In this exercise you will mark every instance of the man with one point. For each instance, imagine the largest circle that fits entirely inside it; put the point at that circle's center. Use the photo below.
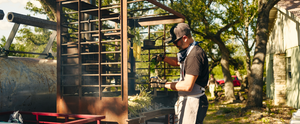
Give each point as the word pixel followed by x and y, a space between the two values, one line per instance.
pixel 212 84
pixel 192 105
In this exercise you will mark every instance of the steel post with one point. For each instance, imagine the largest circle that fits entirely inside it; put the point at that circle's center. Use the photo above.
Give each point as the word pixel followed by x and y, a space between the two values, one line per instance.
pixel 32 21
pixel 11 36
pixel 49 44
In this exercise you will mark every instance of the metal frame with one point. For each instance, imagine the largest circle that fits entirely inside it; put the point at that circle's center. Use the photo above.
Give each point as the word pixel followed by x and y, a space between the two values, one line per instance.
pixel 11 36
pixel 18 19
pixel 33 21
pixel 80 118
pixel 114 108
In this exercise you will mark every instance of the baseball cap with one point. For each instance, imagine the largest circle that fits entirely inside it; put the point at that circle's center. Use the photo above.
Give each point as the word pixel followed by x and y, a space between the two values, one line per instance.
pixel 178 31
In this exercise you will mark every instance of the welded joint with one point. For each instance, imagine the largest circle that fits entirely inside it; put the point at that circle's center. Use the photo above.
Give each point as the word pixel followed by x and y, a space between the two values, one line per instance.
pixel 49 55
pixel 3 52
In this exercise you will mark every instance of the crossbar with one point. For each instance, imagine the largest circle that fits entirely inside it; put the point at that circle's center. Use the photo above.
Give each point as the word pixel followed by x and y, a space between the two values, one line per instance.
pixel 85 118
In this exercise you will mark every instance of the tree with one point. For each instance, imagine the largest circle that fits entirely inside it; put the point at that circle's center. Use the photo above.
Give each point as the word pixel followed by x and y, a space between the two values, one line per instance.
pixel 215 56
pixel 212 20
pixel 257 68
pixel 34 41
pixel 13 47
pixel 30 40
pixel 243 29
pixel 48 7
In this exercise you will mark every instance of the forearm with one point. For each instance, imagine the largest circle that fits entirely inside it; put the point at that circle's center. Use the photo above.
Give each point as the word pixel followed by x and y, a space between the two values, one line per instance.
pixel 177 86
pixel 171 61
pixel 186 85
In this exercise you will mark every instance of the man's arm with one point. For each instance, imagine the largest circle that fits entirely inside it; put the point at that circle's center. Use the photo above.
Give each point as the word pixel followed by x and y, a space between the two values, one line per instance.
pixel 186 85
pixel 171 61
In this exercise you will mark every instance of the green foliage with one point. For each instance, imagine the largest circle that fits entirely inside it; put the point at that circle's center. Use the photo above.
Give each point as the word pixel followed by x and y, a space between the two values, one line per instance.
pixel 264 88
pixel 208 19
pixel 30 40
pixel 36 10
pixel 29 6
pixel 13 47
pixel 238 61
pixel 34 41
pixel 218 72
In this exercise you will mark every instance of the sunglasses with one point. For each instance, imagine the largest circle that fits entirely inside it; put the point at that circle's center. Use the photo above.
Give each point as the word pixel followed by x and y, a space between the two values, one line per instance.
pixel 175 42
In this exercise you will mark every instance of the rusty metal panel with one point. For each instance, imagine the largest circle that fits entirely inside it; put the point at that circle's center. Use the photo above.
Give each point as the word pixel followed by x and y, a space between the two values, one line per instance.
pixel 113 108
pixel 68 105
pixel 27 84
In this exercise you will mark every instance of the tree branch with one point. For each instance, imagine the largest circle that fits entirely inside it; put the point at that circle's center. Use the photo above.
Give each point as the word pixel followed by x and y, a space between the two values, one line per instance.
pixel 209 3
pixel 227 27
pixel 271 4
pixel 50 8
pixel 237 33
pixel 193 30
pixel 252 45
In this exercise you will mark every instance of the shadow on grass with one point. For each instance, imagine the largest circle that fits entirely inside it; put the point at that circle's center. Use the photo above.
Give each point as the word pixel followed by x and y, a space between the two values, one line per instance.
pixel 220 112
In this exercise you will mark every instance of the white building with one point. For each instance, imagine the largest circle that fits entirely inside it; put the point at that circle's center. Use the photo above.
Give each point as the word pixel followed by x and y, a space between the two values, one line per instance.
pixel 283 54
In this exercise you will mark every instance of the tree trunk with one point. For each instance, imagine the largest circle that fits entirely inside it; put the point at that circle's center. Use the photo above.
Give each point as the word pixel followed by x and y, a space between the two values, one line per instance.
pixel 257 69
pixel 248 65
pixel 50 8
pixel 256 77
pixel 245 83
pixel 229 91
pixel 247 50
pixel 238 74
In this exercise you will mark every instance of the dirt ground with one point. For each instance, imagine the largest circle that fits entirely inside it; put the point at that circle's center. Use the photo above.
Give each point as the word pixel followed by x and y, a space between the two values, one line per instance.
pixel 220 111
pixel 224 112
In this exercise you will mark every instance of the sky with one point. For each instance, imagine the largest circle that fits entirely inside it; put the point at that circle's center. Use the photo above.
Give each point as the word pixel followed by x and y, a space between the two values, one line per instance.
pixel 17 6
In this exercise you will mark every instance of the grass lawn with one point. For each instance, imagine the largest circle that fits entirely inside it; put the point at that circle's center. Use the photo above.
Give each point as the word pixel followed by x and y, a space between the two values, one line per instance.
pixel 220 112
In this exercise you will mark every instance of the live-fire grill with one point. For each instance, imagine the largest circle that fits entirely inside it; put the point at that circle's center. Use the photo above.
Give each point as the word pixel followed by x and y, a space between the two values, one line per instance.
pixel 95 73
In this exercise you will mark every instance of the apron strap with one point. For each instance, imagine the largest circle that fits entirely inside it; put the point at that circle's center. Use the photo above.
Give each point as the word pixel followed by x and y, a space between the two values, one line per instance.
pixel 182 74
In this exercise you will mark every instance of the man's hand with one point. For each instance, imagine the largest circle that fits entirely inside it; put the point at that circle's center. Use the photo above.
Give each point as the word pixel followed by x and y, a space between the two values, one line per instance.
pixel 158 57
